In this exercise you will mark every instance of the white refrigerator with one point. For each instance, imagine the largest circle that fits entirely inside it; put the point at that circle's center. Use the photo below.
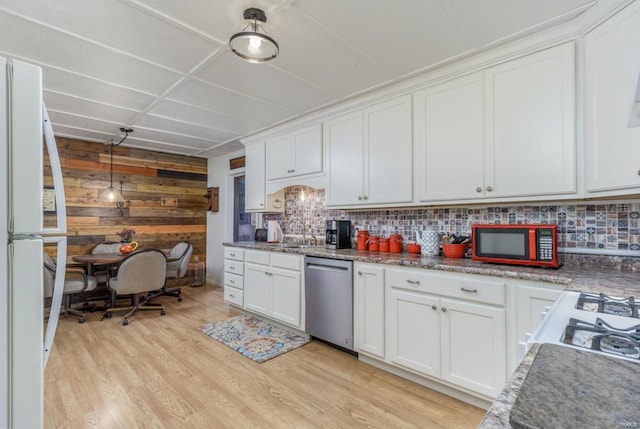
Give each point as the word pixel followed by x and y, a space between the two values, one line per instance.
pixel 24 344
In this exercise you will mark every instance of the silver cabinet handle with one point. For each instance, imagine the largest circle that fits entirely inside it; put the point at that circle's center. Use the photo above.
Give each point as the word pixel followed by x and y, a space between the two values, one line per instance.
pixel 266 273
pixel 232 295
pixel 444 309
pixel 365 197
pixel 478 189
pixel 434 307
pixel 233 255
pixel 232 267
pixel 638 172
pixel 489 189
pixel 360 273
pixel 360 197
pixel 464 289
pixel 232 281
pixel 413 282
pixel 261 204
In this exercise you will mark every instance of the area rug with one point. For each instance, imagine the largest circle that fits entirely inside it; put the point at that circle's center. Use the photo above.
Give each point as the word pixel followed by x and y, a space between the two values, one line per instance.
pixel 253 338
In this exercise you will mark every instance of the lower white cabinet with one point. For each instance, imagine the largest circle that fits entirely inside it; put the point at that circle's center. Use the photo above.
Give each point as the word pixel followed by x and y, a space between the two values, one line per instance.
pixel 431 332
pixel 273 286
pixel 233 276
pixel 369 309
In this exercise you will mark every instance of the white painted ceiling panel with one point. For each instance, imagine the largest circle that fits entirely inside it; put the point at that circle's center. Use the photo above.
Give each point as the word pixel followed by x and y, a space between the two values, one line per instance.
pixel 158 123
pixel 122 26
pixel 94 89
pixel 266 82
pixel 235 104
pixel 206 118
pixel 78 106
pixel 163 67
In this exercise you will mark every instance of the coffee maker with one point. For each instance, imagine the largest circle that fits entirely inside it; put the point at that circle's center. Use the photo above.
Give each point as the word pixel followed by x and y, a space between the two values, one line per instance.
pixel 338 234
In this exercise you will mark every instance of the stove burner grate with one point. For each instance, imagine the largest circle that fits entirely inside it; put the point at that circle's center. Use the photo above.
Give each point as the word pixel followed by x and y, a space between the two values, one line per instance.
pixel 601 303
pixel 603 337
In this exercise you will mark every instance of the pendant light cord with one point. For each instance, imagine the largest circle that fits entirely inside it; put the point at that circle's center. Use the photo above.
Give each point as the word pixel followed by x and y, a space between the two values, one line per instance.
pixel 126 132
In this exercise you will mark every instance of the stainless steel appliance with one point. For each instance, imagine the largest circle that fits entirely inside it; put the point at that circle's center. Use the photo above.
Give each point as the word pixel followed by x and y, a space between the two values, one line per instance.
pixel 532 245
pixel 329 300
pixel 338 234
pixel 596 322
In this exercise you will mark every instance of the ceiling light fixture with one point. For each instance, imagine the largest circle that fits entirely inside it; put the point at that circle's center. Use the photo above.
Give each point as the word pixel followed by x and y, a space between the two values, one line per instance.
pixel 252 44
pixel 111 194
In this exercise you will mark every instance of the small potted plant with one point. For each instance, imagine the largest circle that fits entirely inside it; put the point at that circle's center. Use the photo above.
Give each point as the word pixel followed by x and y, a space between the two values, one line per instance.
pixel 126 235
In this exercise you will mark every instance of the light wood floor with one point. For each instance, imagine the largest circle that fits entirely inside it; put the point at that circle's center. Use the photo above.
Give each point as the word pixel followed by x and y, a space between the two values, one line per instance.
pixel 162 372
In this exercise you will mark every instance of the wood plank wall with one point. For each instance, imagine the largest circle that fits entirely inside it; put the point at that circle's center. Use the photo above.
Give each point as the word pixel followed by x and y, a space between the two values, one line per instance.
pixel 166 195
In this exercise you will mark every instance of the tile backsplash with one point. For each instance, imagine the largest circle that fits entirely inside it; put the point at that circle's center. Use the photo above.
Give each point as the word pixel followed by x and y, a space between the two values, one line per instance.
pixel 582 228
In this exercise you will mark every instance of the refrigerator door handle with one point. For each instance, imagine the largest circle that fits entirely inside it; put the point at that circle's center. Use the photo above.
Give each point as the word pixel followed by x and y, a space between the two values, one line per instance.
pixel 56 172
pixel 58 291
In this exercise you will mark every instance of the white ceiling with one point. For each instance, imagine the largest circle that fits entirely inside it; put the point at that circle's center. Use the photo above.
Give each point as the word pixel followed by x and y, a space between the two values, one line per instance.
pixel 163 67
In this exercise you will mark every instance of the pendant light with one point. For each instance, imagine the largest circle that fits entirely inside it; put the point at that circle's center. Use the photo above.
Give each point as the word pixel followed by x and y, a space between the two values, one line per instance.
pixel 252 44
pixel 111 194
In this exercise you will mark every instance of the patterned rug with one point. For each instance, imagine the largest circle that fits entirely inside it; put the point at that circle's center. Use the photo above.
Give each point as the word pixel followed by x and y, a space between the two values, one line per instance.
pixel 253 337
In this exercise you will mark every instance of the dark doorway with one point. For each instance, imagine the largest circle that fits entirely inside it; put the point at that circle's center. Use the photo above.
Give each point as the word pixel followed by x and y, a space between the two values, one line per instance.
pixel 242 228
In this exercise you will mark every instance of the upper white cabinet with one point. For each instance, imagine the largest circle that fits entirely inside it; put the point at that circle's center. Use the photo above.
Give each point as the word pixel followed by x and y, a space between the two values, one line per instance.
pixel 370 155
pixel 255 194
pixel 507 131
pixel 612 68
pixel 295 153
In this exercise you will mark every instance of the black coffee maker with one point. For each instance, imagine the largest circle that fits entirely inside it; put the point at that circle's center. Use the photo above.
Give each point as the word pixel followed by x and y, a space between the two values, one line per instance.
pixel 338 234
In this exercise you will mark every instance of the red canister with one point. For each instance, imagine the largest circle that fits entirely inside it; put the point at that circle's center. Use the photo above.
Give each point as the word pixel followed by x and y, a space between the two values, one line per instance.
pixel 362 239
pixel 395 243
pixel 384 244
pixel 374 243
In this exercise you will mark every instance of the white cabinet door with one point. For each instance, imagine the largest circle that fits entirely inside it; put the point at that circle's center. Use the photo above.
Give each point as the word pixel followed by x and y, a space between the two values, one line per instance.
pixel 388 159
pixel 286 296
pixel 257 288
pixel 255 191
pixel 295 153
pixel 531 302
pixel 307 151
pixel 449 140
pixel 530 125
pixel 413 331
pixel 279 159
pixel 612 68
pixel 368 312
pixel 473 346
pixel 344 142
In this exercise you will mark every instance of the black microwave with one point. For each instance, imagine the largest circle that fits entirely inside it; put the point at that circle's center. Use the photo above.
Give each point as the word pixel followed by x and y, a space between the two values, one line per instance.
pixel 532 245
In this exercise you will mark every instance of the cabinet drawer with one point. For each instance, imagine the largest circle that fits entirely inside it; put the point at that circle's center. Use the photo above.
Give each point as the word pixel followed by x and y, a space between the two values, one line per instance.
pixel 233 296
pixel 234 253
pixel 233 267
pixel 289 262
pixel 463 286
pixel 234 280
pixel 255 257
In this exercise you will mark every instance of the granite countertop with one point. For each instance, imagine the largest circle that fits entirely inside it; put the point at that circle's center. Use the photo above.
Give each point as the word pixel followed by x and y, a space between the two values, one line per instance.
pixel 595 278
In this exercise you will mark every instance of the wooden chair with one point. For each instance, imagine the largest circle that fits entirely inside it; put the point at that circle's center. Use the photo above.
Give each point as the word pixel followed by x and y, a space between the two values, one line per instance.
pixel 138 274
pixel 76 281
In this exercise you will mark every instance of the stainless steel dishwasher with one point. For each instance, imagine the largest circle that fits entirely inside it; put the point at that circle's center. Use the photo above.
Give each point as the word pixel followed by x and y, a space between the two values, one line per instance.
pixel 329 300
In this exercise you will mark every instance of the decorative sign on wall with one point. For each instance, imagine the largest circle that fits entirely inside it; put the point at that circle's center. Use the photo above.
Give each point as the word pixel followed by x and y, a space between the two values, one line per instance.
pixel 213 200
pixel 236 163
pixel 48 200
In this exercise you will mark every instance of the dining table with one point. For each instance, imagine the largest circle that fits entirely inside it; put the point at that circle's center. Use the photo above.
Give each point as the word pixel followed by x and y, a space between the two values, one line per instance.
pixel 90 260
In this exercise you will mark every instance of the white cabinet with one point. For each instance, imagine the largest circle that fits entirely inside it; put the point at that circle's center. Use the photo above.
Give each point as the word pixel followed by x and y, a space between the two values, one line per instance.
pixel 234 276
pixel 612 69
pixel 507 131
pixel 369 309
pixel 448 161
pixel 255 192
pixel 432 331
pixel 295 153
pixel 273 286
pixel 370 155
